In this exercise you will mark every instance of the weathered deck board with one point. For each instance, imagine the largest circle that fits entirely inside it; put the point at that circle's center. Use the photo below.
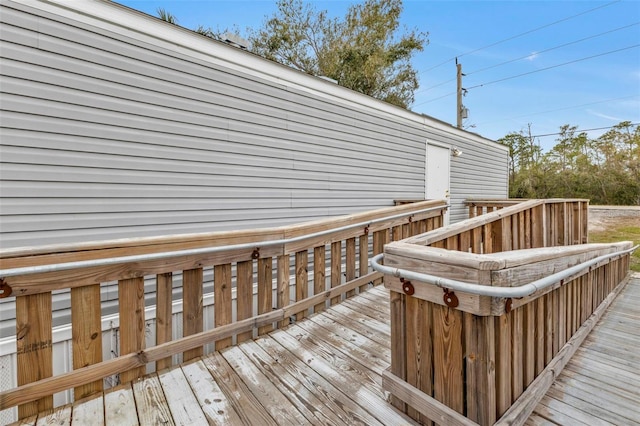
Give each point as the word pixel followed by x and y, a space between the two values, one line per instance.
pixel 599 386
pixel 326 369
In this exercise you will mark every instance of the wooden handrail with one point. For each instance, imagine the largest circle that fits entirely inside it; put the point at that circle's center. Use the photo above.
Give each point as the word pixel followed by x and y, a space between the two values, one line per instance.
pixel 477 354
pixel 269 251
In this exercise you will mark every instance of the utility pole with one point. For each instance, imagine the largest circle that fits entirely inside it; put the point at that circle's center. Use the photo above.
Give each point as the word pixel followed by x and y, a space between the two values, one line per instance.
pixel 459 108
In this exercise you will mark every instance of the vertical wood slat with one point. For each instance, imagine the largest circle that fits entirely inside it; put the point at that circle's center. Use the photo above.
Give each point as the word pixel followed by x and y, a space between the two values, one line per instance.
pixel 480 358
pixel 283 296
pixel 265 290
pixel 86 334
pixel 529 348
pixel 132 329
pixel 336 268
pixel 398 342
pixel 302 280
pixel 164 314
pixel 363 248
pixel 541 337
pixel 503 363
pixel 222 300
pixel 192 311
pixel 447 357
pixel 419 349
pixel 319 275
pixel 34 346
pixel 244 296
pixel 350 265
pixel 378 247
pixel 538 226
pixel 517 353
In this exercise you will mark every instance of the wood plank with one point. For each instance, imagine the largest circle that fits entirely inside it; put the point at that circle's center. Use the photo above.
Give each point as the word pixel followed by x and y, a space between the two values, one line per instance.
pixel 34 347
pixel 151 404
pixel 132 328
pixel 363 252
pixel 213 402
pixel 192 319
pixel 86 334
pixel 336 268
pixel 283 295
pixel 244 296
pixel 540 335
pixel 381 336
pixel 600 381
pixel 529 351
pixel 480 349
pixel 304 399
pixel 89 411
pixel 503 363
pixel 561 414
pixel 430 407
pixel 331 396
pixel 319 272
pixel 419 350
pixel 517 353
pixel 364 306
pixel 183 405
pixel 370 354
pixel 592 411
pixel 350 377
pixel 244 403
pixel 277 404
pixel 120 406
pixel 447 354
pixel 222 294
pixel 398 343
pixel 302 280
pixel 350 263
pixel 59 416
pixel 265 290
pixel 164 314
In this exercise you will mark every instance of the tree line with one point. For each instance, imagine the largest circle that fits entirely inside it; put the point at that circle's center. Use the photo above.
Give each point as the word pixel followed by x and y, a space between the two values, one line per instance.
pixel 605 170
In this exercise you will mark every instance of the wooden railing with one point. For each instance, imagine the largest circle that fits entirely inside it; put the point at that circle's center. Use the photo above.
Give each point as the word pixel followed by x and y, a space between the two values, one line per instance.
pixel 461 358
pixel 258 261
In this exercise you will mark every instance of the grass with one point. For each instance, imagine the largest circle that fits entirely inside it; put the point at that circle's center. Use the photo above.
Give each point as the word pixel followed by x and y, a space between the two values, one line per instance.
pixel 620 229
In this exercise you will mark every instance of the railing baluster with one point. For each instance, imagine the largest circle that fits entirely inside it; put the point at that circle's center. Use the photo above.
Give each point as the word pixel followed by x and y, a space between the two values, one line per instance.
pixel 132 328
pixel 447 357
pixel 517 353
pixel 503 363
pixel 86 330
pixel 336 268
pixel 222 300
pixel 350 265
pixel 244 296
pixel 319 275
pixel 192 315
pixel 265 290
pixel 302 280
pixel 34 346
pixel 283 295
pixel 164 314
pixel 363 247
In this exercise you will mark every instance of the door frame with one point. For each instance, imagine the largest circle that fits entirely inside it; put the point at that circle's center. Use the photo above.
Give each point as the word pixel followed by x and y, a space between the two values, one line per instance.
pixel 426 173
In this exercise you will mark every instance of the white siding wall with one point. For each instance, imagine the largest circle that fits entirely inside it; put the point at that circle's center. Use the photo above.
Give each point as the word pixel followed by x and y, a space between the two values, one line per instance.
pixel 108 133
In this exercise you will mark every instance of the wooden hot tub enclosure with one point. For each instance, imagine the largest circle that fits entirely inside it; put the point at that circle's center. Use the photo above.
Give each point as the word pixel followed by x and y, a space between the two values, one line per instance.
pixel 460 358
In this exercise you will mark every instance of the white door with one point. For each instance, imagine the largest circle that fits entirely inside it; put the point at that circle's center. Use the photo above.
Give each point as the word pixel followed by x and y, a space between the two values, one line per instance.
pixel 438 174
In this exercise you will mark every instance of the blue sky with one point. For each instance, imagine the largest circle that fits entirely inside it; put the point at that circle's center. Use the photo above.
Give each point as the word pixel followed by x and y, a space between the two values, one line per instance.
pixel 589 93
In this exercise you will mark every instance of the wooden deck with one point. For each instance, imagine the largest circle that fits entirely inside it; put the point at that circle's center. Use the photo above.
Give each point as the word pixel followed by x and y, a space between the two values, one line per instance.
pixel 327 370
pixel 601 383
pixel 322 370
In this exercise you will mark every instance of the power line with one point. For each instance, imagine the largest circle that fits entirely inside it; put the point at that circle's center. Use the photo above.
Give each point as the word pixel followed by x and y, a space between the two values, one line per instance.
pixel 554 48
pixel 521 34
pixel 560 109
pixel 582 130
pixel 435 99
pixel 553 66
pixel 536 53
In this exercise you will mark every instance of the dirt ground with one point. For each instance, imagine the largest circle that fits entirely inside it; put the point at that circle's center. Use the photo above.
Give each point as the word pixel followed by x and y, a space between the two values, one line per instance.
pixel 601 217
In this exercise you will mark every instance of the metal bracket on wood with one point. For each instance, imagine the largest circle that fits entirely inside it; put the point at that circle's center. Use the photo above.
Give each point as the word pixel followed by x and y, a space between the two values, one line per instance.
pixel 256 253
pixel 450 298
pixel 410 219
pixel 507 305
pixel 5 289
pixel 366 230
pixel 407 287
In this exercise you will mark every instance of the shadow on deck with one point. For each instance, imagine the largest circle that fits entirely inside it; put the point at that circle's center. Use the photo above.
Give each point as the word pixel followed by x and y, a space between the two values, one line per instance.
pixel 322 370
